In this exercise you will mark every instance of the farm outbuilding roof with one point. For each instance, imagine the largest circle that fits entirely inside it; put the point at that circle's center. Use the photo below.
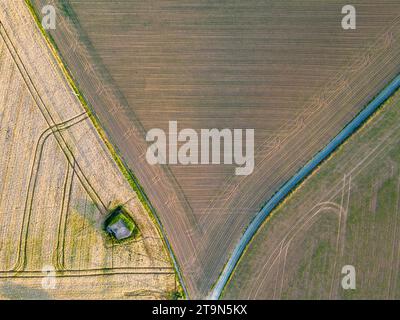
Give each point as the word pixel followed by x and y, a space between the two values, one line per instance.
pixel 120 230
pixel 120 225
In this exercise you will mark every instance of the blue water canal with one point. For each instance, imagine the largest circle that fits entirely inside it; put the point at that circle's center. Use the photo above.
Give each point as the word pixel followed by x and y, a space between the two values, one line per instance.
pixel 296 179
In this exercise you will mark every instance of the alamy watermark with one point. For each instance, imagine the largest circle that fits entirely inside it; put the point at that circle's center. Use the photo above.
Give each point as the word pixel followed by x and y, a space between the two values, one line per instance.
pixel 349 20
pixel 349 280
pixel 49 281
pixel 49 17
pixel 188 147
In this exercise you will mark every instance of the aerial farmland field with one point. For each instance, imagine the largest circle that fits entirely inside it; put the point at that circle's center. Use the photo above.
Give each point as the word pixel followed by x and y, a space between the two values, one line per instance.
pixel 58 183
pixel 345 214
pixel 283 68
pixel 199 149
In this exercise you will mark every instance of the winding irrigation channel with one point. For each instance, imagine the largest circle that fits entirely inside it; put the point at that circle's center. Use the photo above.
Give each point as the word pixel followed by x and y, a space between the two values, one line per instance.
pixel 296 179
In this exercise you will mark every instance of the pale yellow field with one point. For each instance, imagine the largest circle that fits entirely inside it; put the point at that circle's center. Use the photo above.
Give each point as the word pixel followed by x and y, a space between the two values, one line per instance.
pixel 58 181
